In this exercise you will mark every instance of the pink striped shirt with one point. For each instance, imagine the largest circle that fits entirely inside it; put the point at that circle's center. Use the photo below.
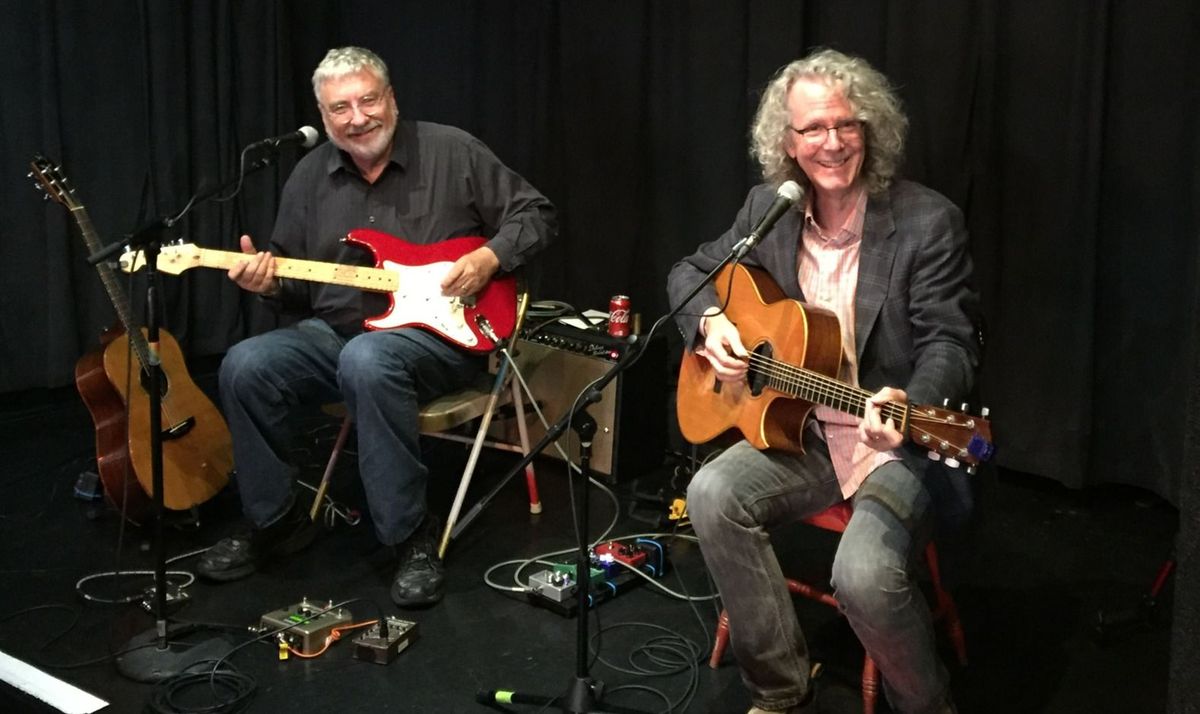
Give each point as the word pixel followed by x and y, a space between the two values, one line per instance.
pixel 828 274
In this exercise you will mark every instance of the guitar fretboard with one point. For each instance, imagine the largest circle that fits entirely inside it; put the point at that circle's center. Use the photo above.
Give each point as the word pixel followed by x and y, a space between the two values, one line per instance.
pixel 800 383
pixel 363 278
pixel 112 285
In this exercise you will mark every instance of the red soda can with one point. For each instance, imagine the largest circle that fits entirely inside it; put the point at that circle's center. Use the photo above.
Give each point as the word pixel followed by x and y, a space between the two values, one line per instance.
pixel 618 316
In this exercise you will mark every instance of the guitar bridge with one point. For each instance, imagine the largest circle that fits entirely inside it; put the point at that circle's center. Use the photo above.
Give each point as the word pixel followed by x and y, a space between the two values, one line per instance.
pixel 179 429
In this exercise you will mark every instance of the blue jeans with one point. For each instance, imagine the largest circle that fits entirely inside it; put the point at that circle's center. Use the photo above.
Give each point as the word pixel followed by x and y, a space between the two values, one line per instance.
pixel 743 493
pixel 383 377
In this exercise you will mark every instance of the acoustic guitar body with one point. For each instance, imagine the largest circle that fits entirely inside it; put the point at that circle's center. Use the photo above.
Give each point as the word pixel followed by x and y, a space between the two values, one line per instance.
pixel 104 403
pixel 770 325
pixel 197 451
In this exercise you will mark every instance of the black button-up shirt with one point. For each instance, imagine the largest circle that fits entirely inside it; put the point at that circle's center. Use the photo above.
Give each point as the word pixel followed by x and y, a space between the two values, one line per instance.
pixel 441 183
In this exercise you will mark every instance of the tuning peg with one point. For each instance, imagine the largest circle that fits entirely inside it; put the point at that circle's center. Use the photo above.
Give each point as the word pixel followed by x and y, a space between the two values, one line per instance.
pixel 934 456
pixel 963 407
pixel 951 462
pixel 971 469
pixel 984 412
pixel 946 402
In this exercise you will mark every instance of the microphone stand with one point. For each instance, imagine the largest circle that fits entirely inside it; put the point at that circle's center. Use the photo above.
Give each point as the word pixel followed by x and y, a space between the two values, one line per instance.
pixel 157 654
pixel 584 694
pixel 153 655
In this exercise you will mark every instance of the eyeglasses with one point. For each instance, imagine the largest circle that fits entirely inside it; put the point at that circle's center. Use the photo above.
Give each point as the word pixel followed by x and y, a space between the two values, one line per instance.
pixel 368 104
pixel 817 134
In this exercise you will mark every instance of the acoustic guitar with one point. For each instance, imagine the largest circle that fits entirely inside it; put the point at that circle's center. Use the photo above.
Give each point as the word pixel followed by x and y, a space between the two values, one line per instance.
pixel 795 351
pixel 196 448
pixel 411 275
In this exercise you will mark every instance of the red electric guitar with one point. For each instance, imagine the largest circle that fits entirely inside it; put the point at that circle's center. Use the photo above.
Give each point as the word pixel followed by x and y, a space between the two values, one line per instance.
pixel 411 274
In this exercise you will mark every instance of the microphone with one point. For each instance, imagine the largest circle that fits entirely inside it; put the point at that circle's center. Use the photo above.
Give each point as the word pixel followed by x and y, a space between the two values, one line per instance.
pixel 789 192
pixel 305 135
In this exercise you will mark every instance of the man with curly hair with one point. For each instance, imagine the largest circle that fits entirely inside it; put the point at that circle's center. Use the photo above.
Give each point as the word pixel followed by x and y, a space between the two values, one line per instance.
pixel 889 258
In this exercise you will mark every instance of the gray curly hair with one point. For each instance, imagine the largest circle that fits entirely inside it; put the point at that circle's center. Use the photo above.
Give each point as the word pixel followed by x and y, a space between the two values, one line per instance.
pixel 342 61
pixel 871 97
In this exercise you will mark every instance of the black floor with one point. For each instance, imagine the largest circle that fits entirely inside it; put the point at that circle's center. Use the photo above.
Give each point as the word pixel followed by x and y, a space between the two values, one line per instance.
pixel 1041 562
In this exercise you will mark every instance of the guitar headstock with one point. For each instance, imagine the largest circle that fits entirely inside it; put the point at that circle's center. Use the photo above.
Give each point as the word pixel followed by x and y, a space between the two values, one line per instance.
pixel 953 437
pixel 52 181
pixel 172 259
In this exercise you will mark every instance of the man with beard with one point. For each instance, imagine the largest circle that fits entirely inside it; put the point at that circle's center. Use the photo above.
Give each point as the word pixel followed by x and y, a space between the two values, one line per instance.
pixel 419 181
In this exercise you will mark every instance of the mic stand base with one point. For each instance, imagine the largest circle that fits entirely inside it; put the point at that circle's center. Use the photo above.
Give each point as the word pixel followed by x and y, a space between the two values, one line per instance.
pixel 153 657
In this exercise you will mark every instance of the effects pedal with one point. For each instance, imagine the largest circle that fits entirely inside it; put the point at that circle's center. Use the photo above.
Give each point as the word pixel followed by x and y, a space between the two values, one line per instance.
pixel 372 646
pixel 305 626
pixel 553 585
pixel 611 574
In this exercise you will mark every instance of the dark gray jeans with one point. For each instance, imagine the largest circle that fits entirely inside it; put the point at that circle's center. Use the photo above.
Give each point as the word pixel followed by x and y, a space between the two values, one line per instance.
pixel 383 377
pixel 743 493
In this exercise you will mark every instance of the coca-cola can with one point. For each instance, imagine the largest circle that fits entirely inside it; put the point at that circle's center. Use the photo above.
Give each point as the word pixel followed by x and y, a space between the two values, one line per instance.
pixel 618 316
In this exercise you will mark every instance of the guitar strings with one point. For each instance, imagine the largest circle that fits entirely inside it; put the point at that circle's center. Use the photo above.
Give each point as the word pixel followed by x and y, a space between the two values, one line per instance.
pixel 797 382
pixel 786 374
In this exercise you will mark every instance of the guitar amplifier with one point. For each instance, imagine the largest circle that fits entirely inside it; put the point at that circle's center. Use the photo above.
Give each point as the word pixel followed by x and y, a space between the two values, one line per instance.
pixel 558 361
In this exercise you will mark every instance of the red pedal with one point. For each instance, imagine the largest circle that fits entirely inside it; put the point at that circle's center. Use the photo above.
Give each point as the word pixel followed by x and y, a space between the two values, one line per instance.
pixel 622 553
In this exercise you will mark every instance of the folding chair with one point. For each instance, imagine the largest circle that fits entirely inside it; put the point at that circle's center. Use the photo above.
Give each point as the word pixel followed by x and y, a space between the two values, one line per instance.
pixel 443 417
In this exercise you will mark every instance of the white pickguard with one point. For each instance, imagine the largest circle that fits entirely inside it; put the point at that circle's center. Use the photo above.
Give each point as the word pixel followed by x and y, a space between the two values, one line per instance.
pixel 420 300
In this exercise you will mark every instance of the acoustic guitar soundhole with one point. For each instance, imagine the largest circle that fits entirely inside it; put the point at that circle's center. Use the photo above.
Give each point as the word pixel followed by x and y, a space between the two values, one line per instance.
pixel 144 380
pixel 756 378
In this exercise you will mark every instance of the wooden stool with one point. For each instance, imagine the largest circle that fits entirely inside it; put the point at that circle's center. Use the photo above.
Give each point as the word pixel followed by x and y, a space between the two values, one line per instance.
pixel 944 610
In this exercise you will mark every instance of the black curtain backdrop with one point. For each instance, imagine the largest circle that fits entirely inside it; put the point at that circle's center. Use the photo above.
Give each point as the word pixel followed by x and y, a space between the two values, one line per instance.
pixel 1065 130
pixel 1184 691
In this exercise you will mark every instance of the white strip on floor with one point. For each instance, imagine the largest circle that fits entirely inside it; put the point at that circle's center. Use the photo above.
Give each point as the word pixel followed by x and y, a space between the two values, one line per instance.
pixel 62 696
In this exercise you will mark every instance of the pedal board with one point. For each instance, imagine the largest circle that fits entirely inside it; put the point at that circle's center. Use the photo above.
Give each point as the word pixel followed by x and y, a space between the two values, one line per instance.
pixel 302 628
pixel 610 575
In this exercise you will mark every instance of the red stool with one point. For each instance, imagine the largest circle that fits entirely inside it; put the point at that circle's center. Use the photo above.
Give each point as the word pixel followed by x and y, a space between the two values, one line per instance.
pixel 835 519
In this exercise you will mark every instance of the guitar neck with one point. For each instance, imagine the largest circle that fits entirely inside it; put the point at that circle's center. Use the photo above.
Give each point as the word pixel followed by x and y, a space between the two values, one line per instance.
pixel 810 386
pixel 375 279
pixel 112 285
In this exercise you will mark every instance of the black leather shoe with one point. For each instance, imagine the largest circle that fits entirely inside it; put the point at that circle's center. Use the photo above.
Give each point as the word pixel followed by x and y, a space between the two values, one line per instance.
pixel 230 559
pixel 420 578
pixel 241 554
